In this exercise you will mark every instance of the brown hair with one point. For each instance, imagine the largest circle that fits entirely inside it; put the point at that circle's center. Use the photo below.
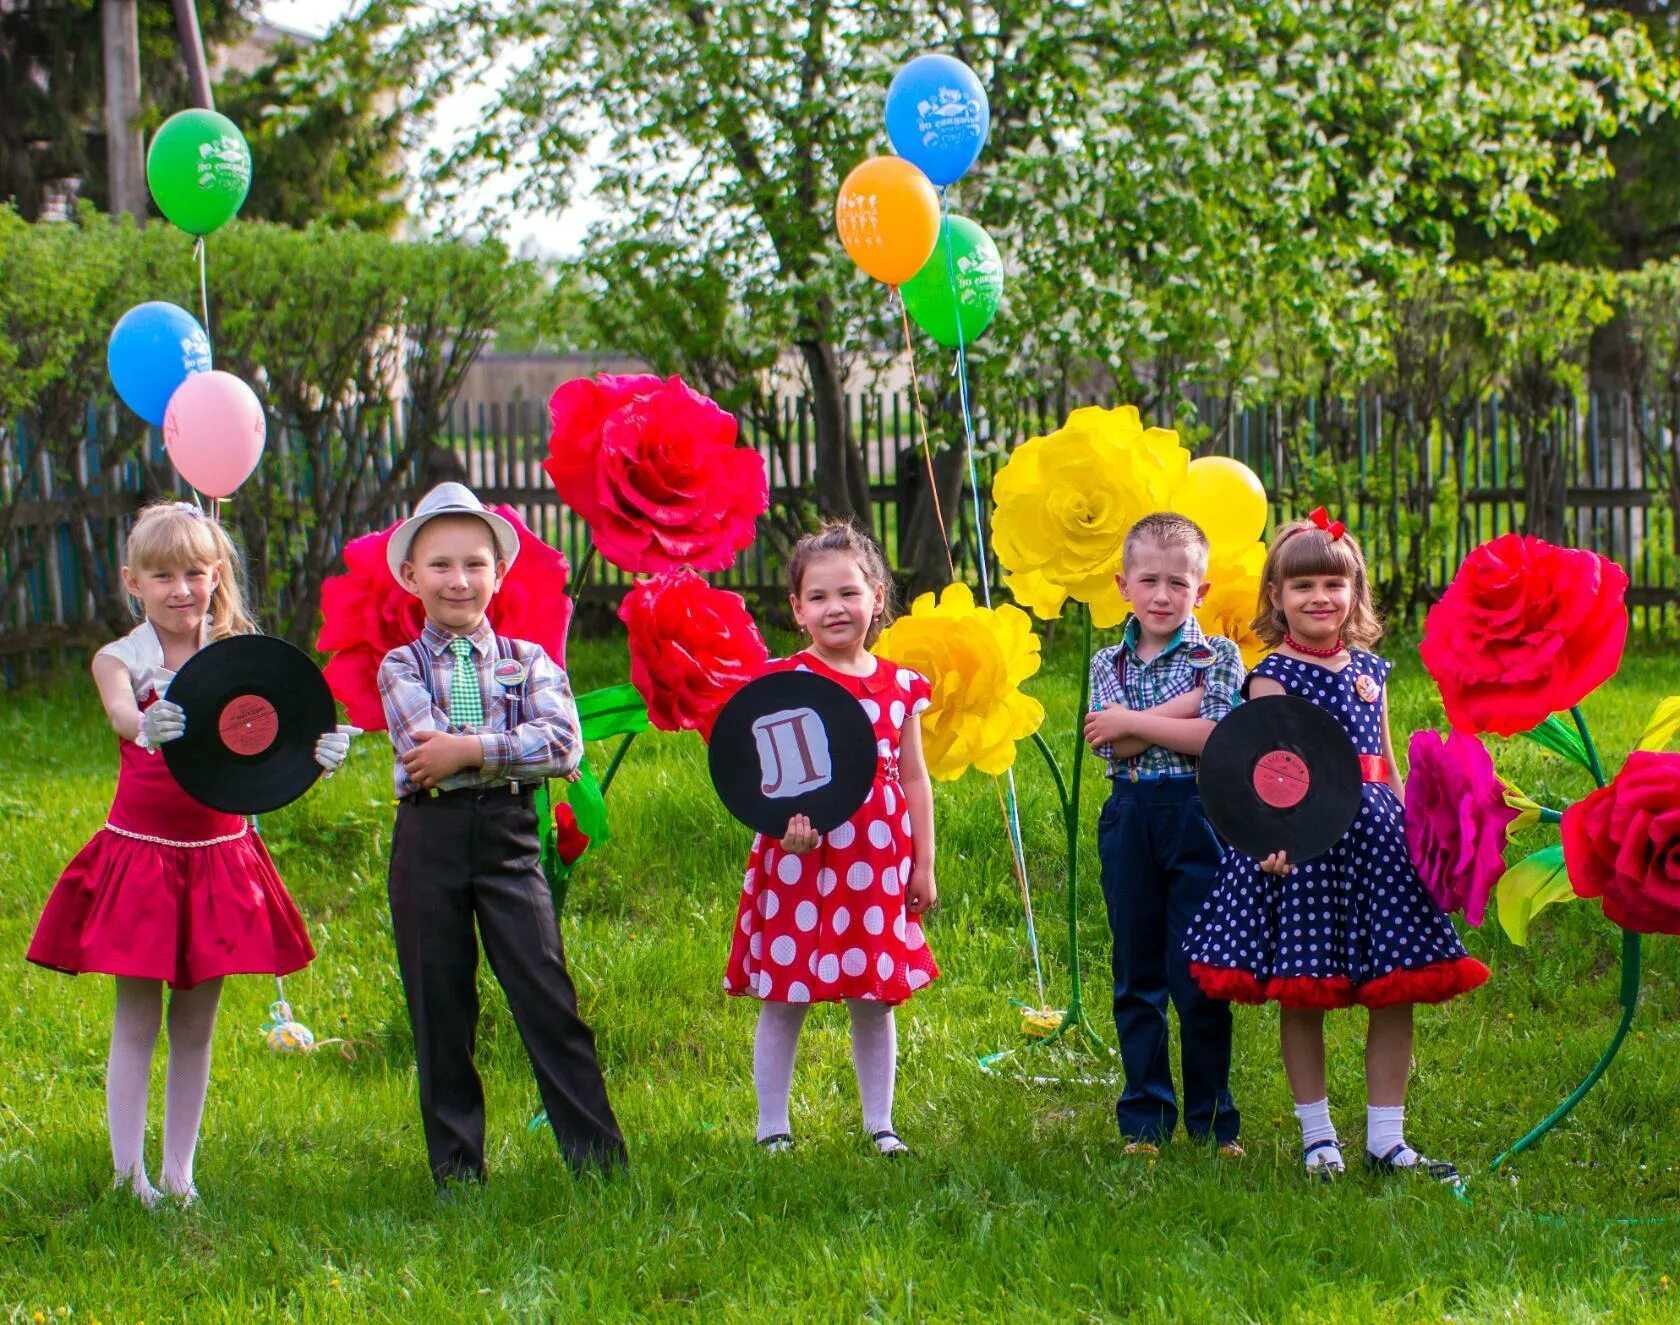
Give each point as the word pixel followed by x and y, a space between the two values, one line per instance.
pixel 841 536
pixel 176 535
pixel 1167 529
pixel 1302 548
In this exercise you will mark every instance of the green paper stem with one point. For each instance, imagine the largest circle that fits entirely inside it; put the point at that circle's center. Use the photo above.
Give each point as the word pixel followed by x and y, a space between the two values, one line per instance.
pixel 1550 816
pixel 1629 996
pixel 617 759
pixel 1629 1001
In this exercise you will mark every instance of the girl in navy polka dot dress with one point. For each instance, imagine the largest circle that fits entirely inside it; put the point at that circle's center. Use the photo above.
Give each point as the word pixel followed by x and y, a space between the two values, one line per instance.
pixel 1353 925
pixel 837 916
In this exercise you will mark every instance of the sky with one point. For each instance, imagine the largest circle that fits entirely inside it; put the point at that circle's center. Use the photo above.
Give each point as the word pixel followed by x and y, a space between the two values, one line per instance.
pixel 559 235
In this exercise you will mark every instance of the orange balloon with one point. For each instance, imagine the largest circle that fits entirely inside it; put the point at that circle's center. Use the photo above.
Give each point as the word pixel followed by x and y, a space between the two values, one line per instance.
pixel 888 218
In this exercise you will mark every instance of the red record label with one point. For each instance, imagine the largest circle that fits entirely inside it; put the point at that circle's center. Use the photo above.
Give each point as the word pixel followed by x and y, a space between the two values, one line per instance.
pixel 249 725
pixel 1281 779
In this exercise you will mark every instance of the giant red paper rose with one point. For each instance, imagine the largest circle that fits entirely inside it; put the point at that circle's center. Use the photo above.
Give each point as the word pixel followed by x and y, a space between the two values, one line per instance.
pixel 691 648
pixel 1456 817
pixel 653 469
pixel 1525 630
pixel 1622 843
pixel 365 614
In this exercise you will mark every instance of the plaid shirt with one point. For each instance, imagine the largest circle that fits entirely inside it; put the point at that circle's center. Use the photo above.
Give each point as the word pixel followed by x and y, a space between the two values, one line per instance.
pixel 546 743
pixel 1143 685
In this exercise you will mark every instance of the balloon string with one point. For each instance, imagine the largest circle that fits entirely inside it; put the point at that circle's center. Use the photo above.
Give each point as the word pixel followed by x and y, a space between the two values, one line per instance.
pixel 1012 825
pixel 203 284
pixel 921 427
pixel 1014 810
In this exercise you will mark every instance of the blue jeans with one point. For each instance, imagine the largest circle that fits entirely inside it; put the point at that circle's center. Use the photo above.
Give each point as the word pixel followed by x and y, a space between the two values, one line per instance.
pixel 1160 857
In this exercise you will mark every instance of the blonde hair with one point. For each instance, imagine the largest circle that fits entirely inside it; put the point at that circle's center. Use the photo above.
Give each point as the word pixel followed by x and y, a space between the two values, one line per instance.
pixel 845 538
pixel 176 535
pixel 1301 548
pixel 1167 529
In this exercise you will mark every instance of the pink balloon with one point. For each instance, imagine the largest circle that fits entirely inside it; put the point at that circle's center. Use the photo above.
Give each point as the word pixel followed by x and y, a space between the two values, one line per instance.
pixel 214 431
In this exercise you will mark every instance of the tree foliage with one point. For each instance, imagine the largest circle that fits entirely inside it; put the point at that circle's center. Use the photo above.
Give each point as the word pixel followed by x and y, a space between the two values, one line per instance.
pixel 1215 191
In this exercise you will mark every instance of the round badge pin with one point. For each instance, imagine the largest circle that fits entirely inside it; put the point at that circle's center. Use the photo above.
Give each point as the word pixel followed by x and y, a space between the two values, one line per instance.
pixel 1366 688
pixel 1201 658
pixel 509 672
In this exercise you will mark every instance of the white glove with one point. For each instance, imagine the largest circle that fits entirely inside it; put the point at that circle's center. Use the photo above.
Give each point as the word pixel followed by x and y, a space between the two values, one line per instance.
pixel 162 722
pixel 334 747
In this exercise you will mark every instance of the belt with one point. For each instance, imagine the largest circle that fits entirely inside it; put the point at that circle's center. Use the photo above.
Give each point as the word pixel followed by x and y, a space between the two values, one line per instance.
pixel 1129 776
pixel 1373 768
pixel 496 792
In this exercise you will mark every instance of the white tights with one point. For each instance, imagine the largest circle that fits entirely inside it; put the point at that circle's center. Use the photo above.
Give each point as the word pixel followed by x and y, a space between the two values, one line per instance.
pixel 134 1032
pixel 874 1054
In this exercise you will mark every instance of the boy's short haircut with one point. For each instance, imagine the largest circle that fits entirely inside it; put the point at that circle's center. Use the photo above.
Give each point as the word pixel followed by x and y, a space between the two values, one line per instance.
pixel 1167 529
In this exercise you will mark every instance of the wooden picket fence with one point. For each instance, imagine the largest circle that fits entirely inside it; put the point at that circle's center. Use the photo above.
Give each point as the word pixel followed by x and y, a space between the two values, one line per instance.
pixel 1419 497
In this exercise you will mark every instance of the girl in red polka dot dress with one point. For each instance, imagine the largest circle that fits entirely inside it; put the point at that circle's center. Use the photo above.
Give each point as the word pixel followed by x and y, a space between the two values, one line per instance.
pixel 831 917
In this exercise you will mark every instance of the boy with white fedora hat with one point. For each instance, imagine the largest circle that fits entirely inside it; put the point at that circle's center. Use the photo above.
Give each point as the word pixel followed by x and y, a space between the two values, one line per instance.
pixel 478 721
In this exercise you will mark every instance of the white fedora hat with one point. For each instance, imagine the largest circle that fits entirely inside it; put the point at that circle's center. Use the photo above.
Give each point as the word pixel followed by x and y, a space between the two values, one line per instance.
pixel 449 499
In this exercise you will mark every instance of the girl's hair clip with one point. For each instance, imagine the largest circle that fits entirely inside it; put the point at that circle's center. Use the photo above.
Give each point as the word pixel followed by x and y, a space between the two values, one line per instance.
pixel 188 507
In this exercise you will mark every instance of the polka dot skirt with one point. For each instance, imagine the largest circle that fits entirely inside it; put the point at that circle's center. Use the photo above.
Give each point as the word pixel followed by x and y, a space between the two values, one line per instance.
pixel 831 924
pixel 1353 925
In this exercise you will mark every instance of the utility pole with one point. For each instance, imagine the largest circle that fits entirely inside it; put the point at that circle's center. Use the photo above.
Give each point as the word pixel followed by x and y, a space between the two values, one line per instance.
pixel 125 157
pixel 192 51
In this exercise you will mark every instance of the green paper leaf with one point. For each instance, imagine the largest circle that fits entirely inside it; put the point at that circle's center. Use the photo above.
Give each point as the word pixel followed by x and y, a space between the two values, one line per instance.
pixel 1529 887
pixel 611 711
pixel 1561 738
pixel 590 805
pixel 1659 731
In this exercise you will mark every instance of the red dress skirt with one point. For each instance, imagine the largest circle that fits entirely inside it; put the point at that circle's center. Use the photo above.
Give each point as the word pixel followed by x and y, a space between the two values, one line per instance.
pixel 831 924
pixel 169 889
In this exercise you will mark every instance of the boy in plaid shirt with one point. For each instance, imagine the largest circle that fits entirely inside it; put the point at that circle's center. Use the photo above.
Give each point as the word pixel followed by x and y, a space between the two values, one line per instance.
pixel 1155 697
pixel 478 721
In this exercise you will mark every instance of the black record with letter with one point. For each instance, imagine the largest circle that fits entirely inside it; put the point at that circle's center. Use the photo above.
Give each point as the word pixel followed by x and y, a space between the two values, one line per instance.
pixel 792 743
pixel 255 707
pixel 1280 774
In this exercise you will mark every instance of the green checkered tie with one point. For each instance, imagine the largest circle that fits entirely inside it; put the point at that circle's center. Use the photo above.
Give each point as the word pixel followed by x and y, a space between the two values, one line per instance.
pixel 466 704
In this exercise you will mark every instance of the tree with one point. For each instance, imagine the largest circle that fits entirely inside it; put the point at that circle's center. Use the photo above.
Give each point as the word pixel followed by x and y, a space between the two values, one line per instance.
pixel 328 123
pixel 51 89
pixel 1183 191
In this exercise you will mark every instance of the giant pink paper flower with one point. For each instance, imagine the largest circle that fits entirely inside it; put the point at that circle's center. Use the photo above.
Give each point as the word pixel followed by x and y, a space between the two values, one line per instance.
pixel 1622 843
pixel 653 469
pixel 1456 817
pixel 365 614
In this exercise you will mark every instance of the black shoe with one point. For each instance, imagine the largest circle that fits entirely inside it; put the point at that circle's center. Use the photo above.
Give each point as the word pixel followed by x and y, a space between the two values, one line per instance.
pixel 777 1144
pixel 1437 1169
pixel 1331 1168
pixel 888 1143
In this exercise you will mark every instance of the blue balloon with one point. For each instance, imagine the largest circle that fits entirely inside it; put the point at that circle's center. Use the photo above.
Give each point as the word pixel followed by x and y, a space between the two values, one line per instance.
pixel 154 348
pixel 938 116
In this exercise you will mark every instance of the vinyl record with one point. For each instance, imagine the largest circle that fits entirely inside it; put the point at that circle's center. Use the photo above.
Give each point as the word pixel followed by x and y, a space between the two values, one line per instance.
pixel 1279 774
pixel 792 743
pixel 255 707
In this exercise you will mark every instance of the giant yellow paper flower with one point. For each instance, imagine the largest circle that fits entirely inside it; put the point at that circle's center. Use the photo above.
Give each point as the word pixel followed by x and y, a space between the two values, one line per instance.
pixel 1066 502
pixel 1230 605
pixel 976 659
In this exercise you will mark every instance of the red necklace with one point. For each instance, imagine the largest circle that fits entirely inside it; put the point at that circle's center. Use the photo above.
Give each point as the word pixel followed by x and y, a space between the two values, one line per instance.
pixel 1299 647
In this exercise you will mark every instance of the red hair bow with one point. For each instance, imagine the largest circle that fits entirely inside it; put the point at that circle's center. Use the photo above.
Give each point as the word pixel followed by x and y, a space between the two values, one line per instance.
pixel 1335 528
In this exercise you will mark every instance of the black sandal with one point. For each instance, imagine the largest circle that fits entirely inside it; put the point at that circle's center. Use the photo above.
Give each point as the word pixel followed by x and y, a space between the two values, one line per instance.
pixel 777 1143
pixel 894 1147
pixel 1437 1169
pixel 1328 1171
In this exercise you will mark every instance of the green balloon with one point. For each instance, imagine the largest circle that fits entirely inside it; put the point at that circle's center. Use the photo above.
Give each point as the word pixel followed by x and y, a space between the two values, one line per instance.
pixel 979 280
pixel 199 170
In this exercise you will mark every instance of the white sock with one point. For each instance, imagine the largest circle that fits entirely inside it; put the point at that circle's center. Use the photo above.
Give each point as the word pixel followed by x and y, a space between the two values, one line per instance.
pixel 1315 1127
pixel 875 1056
pixel 134 1032
pixel 1385 1128
pixel 774 1046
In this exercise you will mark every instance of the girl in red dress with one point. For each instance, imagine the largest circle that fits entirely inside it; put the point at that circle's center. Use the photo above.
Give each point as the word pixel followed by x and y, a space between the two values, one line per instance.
pixel 168 891
pixel 837 916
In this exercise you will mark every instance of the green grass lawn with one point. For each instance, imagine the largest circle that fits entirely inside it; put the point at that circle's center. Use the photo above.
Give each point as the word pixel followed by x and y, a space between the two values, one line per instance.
pixel 1018 1204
